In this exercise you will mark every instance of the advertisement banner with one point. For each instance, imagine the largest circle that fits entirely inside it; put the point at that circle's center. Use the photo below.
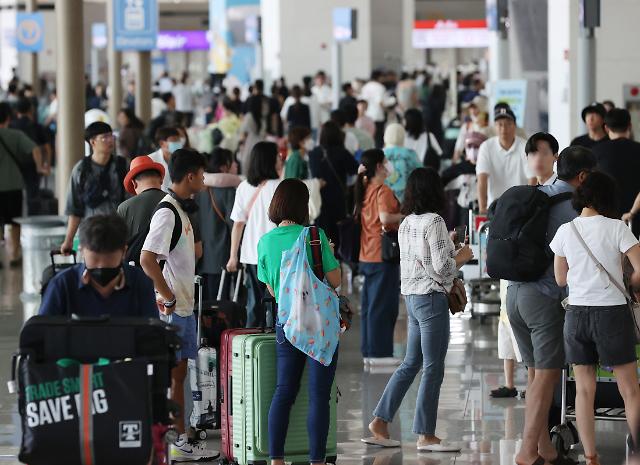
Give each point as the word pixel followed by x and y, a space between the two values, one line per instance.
pixel 29 32
pixel 135 24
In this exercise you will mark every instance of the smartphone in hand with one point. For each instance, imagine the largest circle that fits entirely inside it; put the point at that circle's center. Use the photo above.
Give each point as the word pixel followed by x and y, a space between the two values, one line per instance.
pixel 461 234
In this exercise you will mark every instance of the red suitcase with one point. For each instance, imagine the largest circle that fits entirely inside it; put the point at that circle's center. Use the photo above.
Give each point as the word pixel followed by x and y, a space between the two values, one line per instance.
pixel 226 378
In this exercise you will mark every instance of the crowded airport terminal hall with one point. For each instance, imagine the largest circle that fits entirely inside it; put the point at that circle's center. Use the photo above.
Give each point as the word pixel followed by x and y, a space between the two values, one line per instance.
pixel 344 232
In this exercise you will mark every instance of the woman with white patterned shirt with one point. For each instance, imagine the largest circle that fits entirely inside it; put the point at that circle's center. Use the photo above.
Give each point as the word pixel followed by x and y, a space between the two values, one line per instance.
pixel 429 262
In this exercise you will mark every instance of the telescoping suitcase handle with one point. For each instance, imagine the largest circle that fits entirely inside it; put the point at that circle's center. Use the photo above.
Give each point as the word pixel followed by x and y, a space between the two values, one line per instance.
pixel 236 291
pixel 56 252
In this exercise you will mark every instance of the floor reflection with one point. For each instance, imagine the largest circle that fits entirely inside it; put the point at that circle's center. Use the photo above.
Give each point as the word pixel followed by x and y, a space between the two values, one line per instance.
pixel 488 430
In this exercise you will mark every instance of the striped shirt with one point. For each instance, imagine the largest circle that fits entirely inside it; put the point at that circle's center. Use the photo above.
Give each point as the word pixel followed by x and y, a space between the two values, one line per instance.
pixel 426 255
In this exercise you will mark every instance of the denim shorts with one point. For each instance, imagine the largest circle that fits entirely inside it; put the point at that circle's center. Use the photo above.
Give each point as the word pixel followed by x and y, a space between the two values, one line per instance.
pixel 188 335
pixel 599 334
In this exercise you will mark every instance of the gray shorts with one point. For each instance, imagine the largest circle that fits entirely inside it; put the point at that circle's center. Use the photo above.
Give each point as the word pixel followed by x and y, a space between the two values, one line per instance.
pixel 537 321
pixel 604 334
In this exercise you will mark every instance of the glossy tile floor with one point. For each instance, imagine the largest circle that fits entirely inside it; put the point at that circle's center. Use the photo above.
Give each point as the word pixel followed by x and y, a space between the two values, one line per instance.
pixel 488 430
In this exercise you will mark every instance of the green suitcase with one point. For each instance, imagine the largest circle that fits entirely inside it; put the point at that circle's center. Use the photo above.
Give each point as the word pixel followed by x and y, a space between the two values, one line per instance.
pixel 253 386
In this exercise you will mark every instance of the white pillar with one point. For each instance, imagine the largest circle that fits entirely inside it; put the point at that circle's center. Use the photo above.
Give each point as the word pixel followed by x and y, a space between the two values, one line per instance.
pixel 31 58
pixel 114 60
pixel 498 56
pixel 336 72
pixel 586 75
pixel 142 66
pixel 71 92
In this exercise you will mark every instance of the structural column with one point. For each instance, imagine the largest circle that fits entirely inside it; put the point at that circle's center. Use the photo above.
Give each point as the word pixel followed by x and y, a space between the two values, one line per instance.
pixel 143 85
pixel 114 59
pixel 31 59
pixel 71 89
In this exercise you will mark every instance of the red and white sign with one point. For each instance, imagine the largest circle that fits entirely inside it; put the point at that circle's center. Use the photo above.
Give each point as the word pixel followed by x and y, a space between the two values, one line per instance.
pixel 465 33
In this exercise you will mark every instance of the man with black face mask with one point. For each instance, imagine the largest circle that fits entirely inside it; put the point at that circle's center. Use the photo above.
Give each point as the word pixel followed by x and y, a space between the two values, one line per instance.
pixel 103 284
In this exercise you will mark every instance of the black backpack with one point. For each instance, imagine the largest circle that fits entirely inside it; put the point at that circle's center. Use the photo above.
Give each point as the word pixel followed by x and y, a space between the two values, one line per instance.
pixel 517 247
pixel 134 246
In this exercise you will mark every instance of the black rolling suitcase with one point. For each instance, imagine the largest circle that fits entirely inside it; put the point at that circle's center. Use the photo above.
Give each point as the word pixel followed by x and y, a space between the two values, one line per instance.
pixel 92 389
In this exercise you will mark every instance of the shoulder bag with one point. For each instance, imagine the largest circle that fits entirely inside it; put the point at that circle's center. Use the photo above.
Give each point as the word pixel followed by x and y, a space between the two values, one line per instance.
pixel 634 307
pixel 390 243
pixel 346 313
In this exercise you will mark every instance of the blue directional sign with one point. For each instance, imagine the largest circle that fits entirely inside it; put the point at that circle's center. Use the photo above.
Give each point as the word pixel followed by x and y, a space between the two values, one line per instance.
pixel 135 24
pixel 29 32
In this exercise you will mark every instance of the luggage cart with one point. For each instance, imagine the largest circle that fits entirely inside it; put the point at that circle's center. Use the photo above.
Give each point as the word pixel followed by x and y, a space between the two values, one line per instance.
pixel 565 435
pixel 484 291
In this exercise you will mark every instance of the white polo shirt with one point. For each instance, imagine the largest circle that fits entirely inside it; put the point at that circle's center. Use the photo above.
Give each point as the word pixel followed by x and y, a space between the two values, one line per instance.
pixel 506 168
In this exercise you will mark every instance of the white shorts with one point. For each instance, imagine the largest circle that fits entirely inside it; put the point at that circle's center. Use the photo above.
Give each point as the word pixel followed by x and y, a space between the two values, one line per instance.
pixel 507 345
pixel 507 349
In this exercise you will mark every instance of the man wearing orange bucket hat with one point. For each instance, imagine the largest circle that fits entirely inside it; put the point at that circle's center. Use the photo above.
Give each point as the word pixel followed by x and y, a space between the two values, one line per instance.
pixel 144 181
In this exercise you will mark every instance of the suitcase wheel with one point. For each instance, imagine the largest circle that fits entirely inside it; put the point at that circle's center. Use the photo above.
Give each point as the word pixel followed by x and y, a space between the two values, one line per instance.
pixel 202 434
pixel 562 438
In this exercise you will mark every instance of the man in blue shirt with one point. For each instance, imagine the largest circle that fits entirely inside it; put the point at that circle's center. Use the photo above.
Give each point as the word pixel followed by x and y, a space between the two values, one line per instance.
pixel 103 284
pixel 534 308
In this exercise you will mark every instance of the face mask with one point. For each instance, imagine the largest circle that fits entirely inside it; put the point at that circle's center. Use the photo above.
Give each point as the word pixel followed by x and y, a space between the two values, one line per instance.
pixel 174 145
pixel 309 145
pixel 104 276
pixel 472 153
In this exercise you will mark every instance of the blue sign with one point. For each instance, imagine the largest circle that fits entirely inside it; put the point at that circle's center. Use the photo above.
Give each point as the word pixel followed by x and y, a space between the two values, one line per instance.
pixel 99 38
pixel 29 32
pixel 135 24
pixel 344 24
pixel 513 92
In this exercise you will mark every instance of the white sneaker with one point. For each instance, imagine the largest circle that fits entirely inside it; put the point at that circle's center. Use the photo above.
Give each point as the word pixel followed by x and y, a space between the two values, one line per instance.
pixel 384 361
pixel 366 361
pixel 185 451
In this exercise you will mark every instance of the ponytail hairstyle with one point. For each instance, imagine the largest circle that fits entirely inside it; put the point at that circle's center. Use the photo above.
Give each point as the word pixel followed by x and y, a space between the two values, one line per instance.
pixel 367 170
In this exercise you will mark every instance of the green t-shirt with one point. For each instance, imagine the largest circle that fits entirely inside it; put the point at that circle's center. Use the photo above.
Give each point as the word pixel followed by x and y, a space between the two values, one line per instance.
pixel 271 246
pixel 295 166
pixel 21 148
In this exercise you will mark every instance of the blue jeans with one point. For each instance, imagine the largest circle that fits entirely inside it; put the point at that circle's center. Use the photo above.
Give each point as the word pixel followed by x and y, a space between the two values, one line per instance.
pixel 290 363
pixel 379 309
pixel 427 342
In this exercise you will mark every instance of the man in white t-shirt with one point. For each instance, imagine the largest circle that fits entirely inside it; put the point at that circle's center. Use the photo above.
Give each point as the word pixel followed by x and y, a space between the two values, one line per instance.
pixel 374 93
pixel 174 283
pixel 168 138
pixel 322 93
pixel 502 162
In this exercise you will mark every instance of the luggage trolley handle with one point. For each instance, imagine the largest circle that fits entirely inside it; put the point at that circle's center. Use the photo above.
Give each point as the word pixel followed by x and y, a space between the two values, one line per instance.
pixel 56 252
pixel 236 291
pixel 198 283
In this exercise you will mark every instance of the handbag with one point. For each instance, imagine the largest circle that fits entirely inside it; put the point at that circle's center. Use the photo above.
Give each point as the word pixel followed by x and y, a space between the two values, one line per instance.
pixel 456 297
pixel 80 413
pixel 390 247
pixel 308 307
pixel 634 307
pixel 346 312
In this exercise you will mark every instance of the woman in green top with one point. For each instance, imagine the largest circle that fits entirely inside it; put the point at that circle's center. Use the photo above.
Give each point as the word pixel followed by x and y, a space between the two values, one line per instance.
pixel 296 165
pixel 289 209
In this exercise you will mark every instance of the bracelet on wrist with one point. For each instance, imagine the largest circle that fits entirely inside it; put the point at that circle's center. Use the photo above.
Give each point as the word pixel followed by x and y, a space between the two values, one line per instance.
pixel 170 304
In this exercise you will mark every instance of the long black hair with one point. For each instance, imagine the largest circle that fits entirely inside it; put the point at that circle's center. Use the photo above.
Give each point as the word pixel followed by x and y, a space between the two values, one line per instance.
pixel 255 108
pixel 370 160
pixel 262 163
pixel 414 123
pixel 424 193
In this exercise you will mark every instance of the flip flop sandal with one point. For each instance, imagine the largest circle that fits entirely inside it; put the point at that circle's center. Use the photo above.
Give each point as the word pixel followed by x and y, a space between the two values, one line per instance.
pixel 382 442
pixel 442 447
